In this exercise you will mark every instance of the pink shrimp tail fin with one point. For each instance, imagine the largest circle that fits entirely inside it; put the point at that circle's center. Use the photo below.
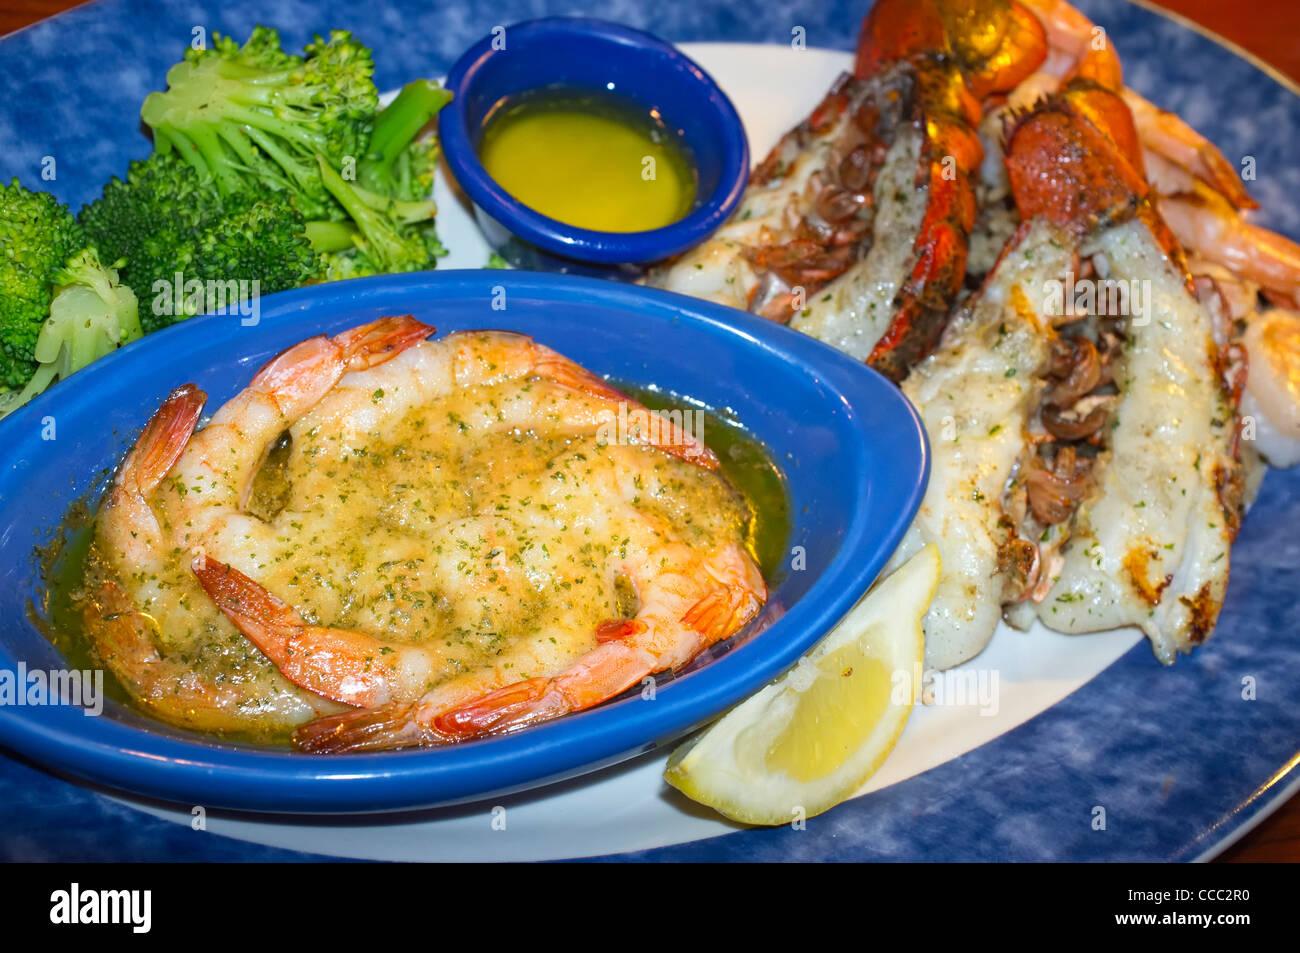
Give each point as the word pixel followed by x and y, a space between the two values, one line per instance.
pixel 244 602
pixel 163 439
pixel 610 669
pixel 301 375
pixel 399 726
pixel 366 729
pixel 269 623
pixel 334 663
pixel 665 435
pixel 372 344
pixel 506 709
pixel 722 612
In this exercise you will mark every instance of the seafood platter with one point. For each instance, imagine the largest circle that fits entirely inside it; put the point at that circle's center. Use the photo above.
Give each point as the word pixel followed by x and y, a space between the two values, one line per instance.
pixel 742 446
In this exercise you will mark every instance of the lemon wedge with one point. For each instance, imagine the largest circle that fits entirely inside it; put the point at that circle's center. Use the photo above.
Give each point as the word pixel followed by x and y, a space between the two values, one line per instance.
pixel 813 737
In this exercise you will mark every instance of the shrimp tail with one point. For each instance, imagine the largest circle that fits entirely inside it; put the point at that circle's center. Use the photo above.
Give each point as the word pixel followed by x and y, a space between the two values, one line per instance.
pixel 618 663
pixel 662 433
pixel 506 709
pixel 243 601
pixel 344 666
pixel 627 651
pixel 401 726
pixel 723 611
pixel 163 440
pixel 299 376
pixel 366 729
pixel 374 343
pixel 603 673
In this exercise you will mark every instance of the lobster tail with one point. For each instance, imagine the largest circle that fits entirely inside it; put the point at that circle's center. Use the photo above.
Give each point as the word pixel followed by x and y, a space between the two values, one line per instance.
pixel 1076 159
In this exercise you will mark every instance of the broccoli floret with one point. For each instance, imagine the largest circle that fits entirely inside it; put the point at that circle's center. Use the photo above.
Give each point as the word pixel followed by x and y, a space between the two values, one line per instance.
pixel 166 219
pixel 388 203
pixel 145 219
pixel 253 247
pixel 246 138
pixel 37 237
pixel 252 117
pixel 60 308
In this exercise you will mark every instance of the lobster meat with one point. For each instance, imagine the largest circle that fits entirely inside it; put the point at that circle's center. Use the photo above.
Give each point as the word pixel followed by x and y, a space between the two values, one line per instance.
pixel 1096 484
pixel 854 228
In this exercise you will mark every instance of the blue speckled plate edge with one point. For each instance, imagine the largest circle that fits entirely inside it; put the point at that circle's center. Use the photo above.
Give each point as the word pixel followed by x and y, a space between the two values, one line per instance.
pixel 1268 69
pixel 982 837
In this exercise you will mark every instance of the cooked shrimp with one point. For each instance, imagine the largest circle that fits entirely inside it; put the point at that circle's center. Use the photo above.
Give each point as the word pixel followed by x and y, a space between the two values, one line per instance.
pixel 1173 142
pixel 687 600
pixel 1076 46
pixel 448 518
pixel 132 584
pixel 214 476
pixel 1208 225
pixel 1270 407
pixel 174 659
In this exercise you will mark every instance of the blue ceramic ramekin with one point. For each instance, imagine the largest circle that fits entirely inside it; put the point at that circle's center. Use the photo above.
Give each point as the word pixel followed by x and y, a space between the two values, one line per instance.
pixel 591 54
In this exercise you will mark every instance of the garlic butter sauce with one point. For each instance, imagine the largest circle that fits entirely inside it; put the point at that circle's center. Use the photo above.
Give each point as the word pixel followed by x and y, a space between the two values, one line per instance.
pixel 589 158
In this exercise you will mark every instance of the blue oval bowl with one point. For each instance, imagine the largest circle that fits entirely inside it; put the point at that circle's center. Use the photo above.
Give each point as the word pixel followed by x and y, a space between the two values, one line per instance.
pixel 853 452
pixel 591 54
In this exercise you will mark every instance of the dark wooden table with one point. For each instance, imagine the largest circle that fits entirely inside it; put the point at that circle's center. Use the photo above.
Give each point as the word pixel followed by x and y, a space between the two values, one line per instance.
pixel 1266 28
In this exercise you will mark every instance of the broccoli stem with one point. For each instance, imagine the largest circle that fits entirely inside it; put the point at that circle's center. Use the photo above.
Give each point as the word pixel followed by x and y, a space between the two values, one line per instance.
pixel 381 237
pixel 408 213
pixel 399 122
pixel 90 315
pixel 330 236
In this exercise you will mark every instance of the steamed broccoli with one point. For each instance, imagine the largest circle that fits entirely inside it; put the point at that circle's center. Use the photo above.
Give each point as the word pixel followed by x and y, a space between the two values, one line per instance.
pixel 400 165
pixel 267 167
pixel 274 167
pixel 255 117
pixel 37 236
pixel 167 219
pixel 382 244
pixel 60 308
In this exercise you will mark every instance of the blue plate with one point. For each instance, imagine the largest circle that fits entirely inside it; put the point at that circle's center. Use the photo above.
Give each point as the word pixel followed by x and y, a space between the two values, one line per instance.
pixel 852 449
